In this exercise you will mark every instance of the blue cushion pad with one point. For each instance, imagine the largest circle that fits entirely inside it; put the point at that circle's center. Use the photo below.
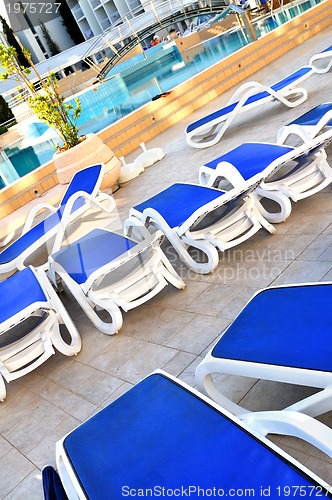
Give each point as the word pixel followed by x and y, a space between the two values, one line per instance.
pixel 159 435
pixel 328 49
pixel 224 112
pixel 251 158
pixel 178 202
pixel 91 252
pixel 18 292
pixel 288 326
pixel 313 116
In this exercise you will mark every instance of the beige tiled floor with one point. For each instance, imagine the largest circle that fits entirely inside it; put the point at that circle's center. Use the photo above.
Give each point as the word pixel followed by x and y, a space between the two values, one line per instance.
pixel 175 329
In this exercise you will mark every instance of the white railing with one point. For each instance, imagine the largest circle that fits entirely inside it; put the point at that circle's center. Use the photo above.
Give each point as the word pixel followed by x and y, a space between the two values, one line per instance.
pixel 131 24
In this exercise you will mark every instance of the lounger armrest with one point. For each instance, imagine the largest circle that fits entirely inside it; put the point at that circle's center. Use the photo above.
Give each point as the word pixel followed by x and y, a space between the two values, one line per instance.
pixel 135 228
pixel 291 423
pixel 250 88
pixel 104 197
pixel 33 212
pixel 327 54
pixel 297 130
pixel 68 211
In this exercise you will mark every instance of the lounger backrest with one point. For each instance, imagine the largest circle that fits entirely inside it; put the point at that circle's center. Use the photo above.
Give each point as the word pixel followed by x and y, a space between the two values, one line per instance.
pixel 24 280
pixel 297 76
pixel 87 180
pixel 16 248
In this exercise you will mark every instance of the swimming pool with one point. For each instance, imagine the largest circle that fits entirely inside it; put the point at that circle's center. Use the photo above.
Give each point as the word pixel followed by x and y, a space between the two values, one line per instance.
pixel 134 83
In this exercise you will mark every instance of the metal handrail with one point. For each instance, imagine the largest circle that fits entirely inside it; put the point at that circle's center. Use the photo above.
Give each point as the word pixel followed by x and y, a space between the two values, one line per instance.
pixel 131 30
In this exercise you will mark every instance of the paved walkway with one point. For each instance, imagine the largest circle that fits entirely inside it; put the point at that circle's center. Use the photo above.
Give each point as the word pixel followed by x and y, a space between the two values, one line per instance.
pixel 175 329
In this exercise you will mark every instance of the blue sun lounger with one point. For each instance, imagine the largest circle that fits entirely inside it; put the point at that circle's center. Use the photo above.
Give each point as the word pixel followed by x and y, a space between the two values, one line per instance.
pixel 283 334
pixel 326 57
pixel 307 126
pixel 82 192
pixel 163 438
pixel 200 217
pixel 109 271
pixel 208 130
pixel 30 317
pixel 288 173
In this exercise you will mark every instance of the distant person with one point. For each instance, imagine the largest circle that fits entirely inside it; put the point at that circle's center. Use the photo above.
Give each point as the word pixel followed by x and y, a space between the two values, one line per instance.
pixel 155 40
pixel 172 34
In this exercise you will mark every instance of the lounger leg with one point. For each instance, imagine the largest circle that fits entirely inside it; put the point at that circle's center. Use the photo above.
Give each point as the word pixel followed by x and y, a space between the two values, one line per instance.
pixel 181 246
pixel 294 97
pixel 169 272
pixel 85 303
pixel 281 199
pixel 104 197
pixel 263 222
pixel 291 424
pixel 111 308
pixel 134 228
pixel 319 176
pixel 314 405
pixel 75 346
pixel 205 384
pixel 3 391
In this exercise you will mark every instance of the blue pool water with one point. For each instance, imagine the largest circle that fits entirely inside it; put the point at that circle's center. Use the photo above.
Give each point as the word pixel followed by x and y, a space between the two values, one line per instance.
pixel 135 82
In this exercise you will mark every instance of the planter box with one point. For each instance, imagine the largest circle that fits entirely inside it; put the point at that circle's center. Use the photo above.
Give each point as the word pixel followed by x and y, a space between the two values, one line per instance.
pixel 89 152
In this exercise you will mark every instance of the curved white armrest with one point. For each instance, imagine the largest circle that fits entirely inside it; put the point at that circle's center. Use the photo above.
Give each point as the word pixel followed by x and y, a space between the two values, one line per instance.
pixel 253 86
pixel 293 129
pixel 33 212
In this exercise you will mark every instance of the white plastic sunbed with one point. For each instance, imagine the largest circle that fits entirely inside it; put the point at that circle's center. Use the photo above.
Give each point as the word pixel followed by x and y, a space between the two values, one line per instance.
pixel 208 130
pixel 30 318
pixel 288 173
pixel 163 438
pixel 283 334
pixel 82 192
pixel 110 272
pixel 202 218
pixel 307 126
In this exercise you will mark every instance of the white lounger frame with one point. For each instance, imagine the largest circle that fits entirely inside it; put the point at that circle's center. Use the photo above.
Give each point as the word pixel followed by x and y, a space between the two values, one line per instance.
pixel 313 406
pixel 308 180
pixel 15 359
pixel 304 132
pixel 256 424
pixel 327 54
pixel 152 274
pixel 228 232
pixel 290 95
pixel 94 199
